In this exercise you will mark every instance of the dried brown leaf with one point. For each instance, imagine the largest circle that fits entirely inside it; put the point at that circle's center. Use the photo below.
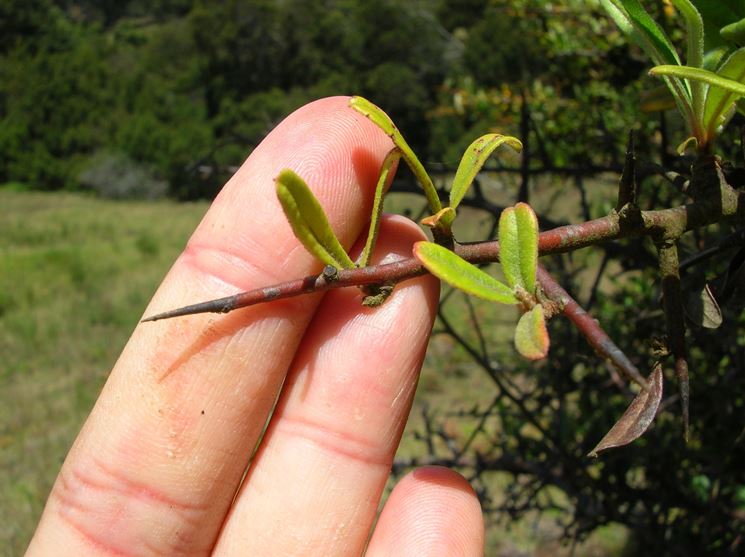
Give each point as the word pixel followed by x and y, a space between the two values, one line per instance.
pixel 637 418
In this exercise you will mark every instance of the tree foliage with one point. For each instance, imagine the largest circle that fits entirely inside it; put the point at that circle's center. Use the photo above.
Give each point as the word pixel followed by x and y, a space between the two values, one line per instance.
pixel 186 87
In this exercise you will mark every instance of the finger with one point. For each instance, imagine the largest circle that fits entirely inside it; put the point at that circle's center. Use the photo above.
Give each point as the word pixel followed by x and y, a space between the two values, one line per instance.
pixel 315 484
pixel 432 511
pixel 159 460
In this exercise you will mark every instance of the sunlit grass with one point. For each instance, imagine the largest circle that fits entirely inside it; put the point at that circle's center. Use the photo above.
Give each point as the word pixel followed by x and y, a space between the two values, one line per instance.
pixel 75 275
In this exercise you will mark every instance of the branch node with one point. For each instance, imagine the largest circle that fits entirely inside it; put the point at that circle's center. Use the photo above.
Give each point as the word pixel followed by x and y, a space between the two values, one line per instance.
pixel 376 294
pixel 590 328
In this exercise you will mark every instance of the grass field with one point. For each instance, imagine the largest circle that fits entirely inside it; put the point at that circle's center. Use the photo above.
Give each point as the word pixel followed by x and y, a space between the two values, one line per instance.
pixel 75 275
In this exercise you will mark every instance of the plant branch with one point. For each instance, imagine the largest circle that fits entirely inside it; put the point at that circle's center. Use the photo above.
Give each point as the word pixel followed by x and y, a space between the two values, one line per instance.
pixel 562 239
pixel 672 298
pixel 590 328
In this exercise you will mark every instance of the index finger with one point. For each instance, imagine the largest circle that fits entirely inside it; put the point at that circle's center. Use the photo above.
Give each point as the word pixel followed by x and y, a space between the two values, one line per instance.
pixel 158 461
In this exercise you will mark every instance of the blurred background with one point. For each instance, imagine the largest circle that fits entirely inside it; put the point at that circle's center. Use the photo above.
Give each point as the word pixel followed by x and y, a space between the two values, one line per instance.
pixel 120 120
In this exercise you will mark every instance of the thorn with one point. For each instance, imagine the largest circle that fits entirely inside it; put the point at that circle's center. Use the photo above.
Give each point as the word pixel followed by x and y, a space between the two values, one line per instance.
pixel 220 305
pixel 627 185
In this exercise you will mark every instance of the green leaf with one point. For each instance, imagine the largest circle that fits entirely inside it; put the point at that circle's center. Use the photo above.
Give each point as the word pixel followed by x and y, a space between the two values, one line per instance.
pixel 527 231
pixel 634 20
pixel 531 335
pixel 308 221
pixel 473 159
pixel 719 102
pixel 716 15
pixel 734 32
pixel 688 143
pixel 518 246
pixel 695 53
pixel 698 74
pixel 381 119
pixel 375 114
pixel 461 274
pixel 713 58
pixel 372 235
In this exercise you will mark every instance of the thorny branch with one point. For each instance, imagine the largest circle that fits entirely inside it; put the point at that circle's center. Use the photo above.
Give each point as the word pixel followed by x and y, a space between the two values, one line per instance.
pixel 672 299
pixel 590 328
pixel 662 223
pixel 714 200
pixel 559 240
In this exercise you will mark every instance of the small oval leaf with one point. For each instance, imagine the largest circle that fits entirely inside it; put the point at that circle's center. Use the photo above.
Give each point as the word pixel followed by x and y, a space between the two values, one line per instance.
pixel 518 246
pixel 527 234
pixel 637 418
pixel 461 274
pixel 308 221
pixel 531 334
pixel 473 160
pixel 383 121
pixel 509 247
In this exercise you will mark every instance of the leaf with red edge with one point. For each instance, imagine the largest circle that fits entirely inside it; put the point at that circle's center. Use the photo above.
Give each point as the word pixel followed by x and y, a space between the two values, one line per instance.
pixel 444 218
pixel 637 418
pixel 531 335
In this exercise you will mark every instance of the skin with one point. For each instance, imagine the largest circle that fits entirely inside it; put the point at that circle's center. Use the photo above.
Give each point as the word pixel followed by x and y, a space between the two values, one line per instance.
pixel 157 468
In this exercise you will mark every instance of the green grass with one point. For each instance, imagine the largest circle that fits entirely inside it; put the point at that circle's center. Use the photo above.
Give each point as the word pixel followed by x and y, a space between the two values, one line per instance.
pixel 75 275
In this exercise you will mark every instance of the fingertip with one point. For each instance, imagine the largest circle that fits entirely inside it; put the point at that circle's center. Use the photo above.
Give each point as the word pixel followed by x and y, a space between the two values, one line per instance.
pixel 396 238
pixel 432 511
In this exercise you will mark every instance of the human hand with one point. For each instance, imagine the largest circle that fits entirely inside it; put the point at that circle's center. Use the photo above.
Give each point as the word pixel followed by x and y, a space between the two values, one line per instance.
pixel 157 467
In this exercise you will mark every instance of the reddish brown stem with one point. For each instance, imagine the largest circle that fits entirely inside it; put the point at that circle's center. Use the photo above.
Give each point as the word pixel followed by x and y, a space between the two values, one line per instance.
pixel 378 274
pixel 561 239
pixel 590 328
pixel 558 240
